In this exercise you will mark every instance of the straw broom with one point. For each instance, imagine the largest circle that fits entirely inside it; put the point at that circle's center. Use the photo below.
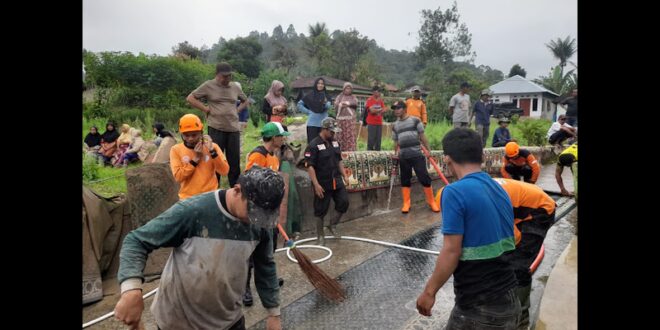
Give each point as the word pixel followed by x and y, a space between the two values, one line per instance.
pixel 327 286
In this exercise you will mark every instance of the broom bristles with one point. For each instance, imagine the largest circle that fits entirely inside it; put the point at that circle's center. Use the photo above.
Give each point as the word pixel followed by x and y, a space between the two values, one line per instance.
pixel 327 286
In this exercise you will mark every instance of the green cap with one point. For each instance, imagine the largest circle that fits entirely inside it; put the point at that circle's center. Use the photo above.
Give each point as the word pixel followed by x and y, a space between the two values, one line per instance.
pixel 273 129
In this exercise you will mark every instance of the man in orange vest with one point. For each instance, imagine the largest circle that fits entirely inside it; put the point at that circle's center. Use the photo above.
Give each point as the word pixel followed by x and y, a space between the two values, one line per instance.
pixel 415 106
pixel 196 160
pixel 519 162
pixel 273 136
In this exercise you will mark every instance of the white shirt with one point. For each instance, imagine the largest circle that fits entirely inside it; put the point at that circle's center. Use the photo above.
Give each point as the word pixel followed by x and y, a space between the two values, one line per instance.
pixel 556 126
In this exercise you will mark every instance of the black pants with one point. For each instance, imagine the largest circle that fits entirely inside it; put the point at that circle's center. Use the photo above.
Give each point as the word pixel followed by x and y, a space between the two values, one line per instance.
pixel 558 137
pixel 517 171
pixel 230 144
pixel 375 134
pixel 339 195
pixel 499 313
pixel 419 164
pixel 533 233
pixel 500 144
pixel 312 132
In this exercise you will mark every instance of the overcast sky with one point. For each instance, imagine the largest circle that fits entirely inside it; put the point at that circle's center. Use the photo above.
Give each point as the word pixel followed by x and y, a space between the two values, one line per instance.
pixel 504 32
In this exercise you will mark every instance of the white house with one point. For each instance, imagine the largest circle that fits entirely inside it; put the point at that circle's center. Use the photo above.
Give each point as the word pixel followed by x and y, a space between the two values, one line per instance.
pixel 535 100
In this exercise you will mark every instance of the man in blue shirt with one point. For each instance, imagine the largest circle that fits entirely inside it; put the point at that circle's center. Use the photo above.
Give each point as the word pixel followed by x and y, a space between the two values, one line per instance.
pixel 483 109
pixel 477 224
pixel 502 136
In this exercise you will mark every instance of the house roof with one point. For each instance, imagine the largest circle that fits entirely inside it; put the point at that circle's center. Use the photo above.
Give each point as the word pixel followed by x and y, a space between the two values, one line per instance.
pixel 329 82
pixel 518 84
pixel 391 88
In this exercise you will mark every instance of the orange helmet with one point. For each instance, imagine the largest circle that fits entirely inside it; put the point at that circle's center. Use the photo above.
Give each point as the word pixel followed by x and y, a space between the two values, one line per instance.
pixel 190 123
pixel 512 149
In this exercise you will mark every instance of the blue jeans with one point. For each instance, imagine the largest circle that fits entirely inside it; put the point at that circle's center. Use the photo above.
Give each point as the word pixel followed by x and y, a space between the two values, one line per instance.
pixel 499 313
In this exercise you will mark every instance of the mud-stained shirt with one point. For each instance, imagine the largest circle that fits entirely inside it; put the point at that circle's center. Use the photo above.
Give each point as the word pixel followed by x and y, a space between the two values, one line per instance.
pixel 203 280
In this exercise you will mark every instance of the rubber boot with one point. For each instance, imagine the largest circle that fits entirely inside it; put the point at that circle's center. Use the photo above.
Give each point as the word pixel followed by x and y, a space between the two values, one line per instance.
pixel 523 295
pixel 333 226
pixel 320 235
pixel 405 193
pixel 428 191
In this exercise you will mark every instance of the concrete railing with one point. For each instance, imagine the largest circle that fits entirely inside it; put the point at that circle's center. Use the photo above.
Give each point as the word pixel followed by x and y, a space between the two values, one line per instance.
pixel 370 180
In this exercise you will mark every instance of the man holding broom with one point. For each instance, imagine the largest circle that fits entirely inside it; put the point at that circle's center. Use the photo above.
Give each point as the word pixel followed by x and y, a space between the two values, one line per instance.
pixel 408 134
pixel 201 285
pixel 273 134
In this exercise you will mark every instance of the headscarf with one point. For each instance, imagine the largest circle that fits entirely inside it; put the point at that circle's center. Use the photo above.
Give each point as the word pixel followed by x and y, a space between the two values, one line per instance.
pixel 351 99
pixel 270 96
pixel 161 131
pixel 93 139
pixel 110 136
pixel 125 136
pixel 315 100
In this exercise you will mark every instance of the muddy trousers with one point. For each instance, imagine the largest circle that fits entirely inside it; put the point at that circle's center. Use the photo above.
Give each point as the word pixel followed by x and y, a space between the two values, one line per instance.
pixel 500 313
pixel 533 233
pixel 251 261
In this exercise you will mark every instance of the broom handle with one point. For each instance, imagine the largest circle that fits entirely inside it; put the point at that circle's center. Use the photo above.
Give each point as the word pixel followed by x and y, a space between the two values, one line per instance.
pixel 282 232
pixel 435 165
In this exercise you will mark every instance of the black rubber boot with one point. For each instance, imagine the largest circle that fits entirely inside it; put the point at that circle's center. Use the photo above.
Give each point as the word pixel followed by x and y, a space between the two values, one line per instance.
pixel 333 225
pixel 320 235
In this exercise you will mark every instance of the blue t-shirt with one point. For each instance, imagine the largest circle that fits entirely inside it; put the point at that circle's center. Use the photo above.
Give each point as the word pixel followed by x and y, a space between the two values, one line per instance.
pixel 479 209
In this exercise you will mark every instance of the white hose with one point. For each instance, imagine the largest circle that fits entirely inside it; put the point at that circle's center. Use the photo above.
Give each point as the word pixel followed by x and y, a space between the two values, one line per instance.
pixel 570 204
pixel 288 254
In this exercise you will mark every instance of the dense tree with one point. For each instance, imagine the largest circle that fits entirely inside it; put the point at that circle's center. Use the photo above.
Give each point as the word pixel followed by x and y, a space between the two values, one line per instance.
pixel 517 70
pixel 185 49
pixel 347 48
pixel 291 32
pixel 317 46
pixel 443 38
pixel 242 54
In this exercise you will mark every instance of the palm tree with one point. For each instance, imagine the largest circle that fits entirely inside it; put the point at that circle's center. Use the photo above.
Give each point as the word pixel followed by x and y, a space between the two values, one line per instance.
pixel 562 50
pixel 557 81
pixel 317 29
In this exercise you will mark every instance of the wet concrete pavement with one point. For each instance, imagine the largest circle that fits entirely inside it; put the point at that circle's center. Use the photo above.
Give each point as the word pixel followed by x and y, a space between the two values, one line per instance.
pixel 382 283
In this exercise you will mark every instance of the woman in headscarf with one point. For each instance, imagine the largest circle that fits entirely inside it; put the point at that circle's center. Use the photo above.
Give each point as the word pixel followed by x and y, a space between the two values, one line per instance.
pixel 275 105
pixel 137 150
pixel 92 140
pixel 108 142
pixel 346 104
pixel 123 141
pixel 160 132
pixel 315 104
